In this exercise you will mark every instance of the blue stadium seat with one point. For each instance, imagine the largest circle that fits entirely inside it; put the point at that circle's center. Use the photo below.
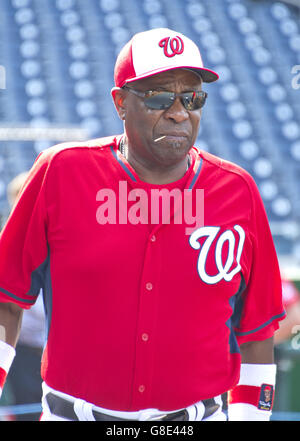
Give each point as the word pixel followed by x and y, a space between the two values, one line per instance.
pixel 59 57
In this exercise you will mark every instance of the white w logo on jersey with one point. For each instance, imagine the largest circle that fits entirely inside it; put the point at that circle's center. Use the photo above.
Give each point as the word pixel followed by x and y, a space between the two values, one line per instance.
pixel 211 233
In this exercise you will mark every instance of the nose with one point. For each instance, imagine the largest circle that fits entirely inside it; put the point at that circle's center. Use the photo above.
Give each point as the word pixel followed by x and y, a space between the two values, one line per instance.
pixel 177 112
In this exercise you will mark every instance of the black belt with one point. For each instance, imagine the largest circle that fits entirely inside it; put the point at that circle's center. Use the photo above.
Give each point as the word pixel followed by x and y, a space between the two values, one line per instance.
pixel 65 409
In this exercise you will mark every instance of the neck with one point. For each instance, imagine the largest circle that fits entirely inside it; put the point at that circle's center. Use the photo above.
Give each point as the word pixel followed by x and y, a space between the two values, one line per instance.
pixel 157 174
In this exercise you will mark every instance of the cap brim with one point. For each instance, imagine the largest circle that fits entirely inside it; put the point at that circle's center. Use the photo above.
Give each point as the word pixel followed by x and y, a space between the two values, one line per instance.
pixel 207 75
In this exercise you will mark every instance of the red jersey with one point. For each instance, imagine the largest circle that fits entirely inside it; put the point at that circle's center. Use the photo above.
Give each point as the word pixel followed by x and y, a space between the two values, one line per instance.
pixel 143 310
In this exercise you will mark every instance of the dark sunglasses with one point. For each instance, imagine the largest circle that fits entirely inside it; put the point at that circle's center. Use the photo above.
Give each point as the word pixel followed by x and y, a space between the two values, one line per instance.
pixel 162 100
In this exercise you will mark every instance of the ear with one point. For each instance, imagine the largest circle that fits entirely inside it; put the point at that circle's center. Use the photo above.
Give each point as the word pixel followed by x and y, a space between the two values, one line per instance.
pixel 118 96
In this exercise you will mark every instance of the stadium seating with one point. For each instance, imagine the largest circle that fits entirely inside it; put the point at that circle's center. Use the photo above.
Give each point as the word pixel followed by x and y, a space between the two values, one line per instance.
pixel 59 57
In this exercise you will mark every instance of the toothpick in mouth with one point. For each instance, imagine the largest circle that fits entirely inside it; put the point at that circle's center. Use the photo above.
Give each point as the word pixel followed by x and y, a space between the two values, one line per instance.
pixel 160 138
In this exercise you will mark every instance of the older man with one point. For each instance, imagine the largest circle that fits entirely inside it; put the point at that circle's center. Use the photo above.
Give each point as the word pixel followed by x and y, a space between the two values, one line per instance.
pixel 161 283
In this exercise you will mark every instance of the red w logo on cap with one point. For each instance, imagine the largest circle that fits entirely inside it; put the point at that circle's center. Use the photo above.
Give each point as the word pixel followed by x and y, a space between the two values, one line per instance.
pixel 172 46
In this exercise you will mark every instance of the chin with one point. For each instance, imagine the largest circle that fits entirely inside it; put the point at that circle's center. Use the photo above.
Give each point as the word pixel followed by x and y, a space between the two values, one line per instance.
pixel 179 148
pixel 172 158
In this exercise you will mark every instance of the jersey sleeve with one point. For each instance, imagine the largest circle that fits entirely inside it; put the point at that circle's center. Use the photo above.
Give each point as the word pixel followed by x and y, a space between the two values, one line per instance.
pixel 23 240
pixel 262 306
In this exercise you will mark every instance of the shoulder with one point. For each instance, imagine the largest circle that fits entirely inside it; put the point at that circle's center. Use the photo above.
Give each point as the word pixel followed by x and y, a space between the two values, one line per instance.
pixel 230 172
pixel 225 166
pixel 74 150
pixel 67 156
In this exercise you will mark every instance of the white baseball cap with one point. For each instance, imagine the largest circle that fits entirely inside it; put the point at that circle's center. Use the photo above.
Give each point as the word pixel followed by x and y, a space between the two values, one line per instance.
pixel 158 50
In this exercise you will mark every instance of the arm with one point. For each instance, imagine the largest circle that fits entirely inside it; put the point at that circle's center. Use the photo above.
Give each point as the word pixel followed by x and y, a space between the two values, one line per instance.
pixel 257 375
pixel 10 323
pixel 258 352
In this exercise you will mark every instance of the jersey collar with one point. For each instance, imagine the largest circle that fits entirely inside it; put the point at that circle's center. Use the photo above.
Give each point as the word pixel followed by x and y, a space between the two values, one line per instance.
pixel 194 169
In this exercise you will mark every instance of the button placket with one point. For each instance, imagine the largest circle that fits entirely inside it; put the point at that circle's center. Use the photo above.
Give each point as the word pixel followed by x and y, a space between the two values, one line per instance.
pixel 146 323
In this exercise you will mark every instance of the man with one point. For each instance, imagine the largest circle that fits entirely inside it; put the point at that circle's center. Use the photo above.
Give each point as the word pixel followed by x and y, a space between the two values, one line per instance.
pixel 150 307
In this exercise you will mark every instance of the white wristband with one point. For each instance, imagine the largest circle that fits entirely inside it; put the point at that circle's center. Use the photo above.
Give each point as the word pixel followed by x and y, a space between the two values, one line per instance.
pixel 256 374
pixel 7 355
pixel 252 376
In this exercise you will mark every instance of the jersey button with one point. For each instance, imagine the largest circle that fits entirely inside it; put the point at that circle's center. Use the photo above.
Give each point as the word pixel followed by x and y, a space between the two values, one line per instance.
pixel 145 337
pixel 142 388
pixel 153 238
pixel 149 286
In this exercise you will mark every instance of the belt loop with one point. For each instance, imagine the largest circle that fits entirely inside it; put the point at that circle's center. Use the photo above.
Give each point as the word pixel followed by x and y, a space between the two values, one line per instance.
pixel 83 410
pixel 88 411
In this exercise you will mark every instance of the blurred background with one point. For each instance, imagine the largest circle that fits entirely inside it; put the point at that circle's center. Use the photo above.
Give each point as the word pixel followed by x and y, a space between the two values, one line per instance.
pixel 56 72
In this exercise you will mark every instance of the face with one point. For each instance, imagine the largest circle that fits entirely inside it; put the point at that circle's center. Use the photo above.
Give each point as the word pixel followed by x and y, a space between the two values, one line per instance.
pixel 267 395
pixel 143 125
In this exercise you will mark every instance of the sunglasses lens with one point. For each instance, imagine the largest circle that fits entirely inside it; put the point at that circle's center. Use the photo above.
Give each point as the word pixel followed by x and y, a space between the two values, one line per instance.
pixel 164 100
pixel 194 100
pixel 160 100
